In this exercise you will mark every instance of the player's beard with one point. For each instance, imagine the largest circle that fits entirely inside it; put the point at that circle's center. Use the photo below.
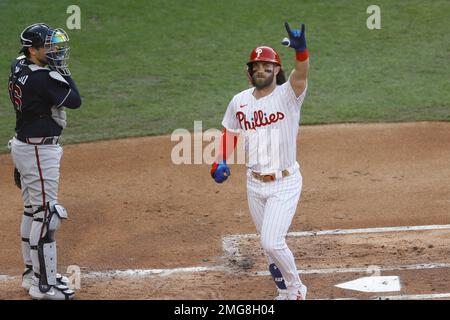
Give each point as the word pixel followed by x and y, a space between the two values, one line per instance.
pixel 260 82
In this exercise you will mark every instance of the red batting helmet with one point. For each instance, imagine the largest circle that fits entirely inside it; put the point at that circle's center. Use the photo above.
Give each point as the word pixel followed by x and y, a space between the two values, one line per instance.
pixel 266 54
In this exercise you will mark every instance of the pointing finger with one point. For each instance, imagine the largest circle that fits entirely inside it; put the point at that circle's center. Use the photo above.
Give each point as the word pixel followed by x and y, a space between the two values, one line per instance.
pixel 288 29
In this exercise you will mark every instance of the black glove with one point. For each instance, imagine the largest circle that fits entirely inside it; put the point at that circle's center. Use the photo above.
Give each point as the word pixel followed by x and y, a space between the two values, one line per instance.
pixel 17 178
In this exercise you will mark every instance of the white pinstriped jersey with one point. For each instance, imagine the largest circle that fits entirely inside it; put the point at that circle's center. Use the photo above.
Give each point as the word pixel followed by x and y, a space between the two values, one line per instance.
pixel 270 126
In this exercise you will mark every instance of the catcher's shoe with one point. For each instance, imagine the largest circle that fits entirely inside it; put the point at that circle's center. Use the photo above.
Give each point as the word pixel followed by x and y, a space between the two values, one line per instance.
pixel 27 278
pixel 58 292
pixel 282 294
pixel 299 294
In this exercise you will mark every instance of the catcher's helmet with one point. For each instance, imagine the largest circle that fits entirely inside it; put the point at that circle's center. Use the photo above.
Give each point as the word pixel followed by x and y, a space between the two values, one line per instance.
pixel 34 36
pixel 266 54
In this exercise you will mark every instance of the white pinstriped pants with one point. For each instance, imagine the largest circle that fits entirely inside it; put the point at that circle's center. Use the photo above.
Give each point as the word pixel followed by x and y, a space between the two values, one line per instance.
pixel 272 206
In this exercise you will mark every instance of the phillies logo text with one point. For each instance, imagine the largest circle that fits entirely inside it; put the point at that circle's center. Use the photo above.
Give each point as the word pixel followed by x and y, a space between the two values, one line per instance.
pixel 260 119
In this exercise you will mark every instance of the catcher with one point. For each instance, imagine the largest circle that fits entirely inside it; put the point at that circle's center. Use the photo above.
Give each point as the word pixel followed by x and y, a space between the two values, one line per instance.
pixel 39 94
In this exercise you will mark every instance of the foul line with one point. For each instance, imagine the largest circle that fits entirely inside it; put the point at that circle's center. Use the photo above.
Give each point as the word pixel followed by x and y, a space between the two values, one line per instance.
pixel 150 272
pixel 6 278
pixel 142 273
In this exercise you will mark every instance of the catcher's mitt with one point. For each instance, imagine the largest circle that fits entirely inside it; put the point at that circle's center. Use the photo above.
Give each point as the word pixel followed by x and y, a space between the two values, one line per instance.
pixel 17 178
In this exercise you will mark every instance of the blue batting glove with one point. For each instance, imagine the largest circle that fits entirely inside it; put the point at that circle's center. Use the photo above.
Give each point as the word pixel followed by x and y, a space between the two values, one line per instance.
pixel 220 171
pixel 296 40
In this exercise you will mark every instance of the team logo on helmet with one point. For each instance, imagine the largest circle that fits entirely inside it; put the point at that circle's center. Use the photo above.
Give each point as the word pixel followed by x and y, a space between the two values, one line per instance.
pixel 265 54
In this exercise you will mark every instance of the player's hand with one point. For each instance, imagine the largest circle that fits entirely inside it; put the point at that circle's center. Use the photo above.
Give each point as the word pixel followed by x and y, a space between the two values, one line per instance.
pixel 220 171
pixel 296 40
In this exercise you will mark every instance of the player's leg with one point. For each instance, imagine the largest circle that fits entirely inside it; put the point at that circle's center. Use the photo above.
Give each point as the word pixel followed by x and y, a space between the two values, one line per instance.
pixel 257 202
pixel 278 279
pixel 20 158
pixel 48 284
pixel 42 180
pixel 25 230
pixel 278 215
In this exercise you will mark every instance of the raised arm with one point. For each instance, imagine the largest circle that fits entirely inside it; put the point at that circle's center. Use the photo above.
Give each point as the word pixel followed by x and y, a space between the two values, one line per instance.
pixel 297 41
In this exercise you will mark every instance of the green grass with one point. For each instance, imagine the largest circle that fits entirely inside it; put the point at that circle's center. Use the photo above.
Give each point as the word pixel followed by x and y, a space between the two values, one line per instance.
pixel 148 67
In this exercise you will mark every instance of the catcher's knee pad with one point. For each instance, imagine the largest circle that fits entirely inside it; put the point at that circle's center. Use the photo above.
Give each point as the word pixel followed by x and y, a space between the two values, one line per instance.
pixel 56 213
pixel 46 247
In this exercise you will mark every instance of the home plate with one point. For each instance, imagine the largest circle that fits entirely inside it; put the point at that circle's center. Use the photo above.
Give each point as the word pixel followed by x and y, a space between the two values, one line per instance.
pixel 372 284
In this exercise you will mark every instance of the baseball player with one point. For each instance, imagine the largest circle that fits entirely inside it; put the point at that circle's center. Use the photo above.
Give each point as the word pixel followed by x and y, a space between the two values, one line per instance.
pixel 268 115
pixel 40 87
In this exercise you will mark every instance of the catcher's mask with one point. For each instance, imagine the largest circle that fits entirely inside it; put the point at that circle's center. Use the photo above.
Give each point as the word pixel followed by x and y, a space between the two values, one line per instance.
pixel 57 50
pixel 265 54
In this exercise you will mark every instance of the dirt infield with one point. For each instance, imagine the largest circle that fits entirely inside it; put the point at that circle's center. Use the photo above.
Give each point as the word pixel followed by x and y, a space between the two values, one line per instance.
pixel 131 208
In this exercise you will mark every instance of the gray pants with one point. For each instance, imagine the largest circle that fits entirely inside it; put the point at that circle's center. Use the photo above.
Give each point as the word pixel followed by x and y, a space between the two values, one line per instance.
pixel 39 167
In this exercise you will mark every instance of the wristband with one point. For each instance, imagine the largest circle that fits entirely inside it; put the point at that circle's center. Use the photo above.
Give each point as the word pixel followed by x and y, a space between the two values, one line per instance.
pixel 302 56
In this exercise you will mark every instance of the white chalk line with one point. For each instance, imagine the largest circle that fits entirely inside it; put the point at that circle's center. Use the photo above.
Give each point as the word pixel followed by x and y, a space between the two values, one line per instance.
pixel 415 296
pixel 145 273
pixel 136 273
pixel 402 297
pixel 4 278
pixel 421 266
pixel 151 272
pixel 229 242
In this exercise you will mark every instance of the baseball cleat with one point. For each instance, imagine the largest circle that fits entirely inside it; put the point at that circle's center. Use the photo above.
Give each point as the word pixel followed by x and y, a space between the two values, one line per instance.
pixel 62 280
pixel 58 292
pixel 299 294
pixel 282 294
pixel 27 278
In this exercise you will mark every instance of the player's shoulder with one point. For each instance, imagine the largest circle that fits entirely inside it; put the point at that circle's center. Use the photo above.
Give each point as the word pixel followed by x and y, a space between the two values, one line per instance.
pixel 286 90
pixel 47 76
pixel 38 75
pixel 283 87
pixel 18 64
pixel 241 98
pixel 244 94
